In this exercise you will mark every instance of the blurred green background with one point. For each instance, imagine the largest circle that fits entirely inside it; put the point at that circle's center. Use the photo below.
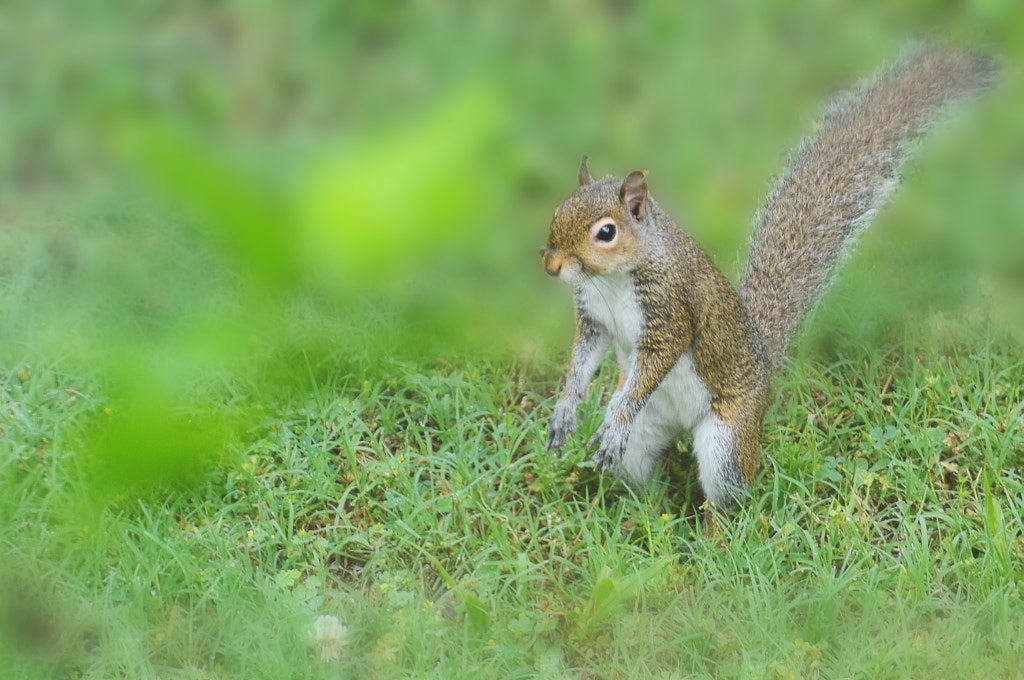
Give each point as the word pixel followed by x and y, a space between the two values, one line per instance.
pixel 267 191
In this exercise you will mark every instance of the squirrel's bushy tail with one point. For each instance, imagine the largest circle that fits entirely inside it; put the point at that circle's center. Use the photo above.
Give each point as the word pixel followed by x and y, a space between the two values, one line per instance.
pixel 839 178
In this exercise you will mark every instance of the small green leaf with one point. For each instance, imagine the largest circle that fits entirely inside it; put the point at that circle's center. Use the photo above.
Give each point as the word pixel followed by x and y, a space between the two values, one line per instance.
pixel 994 525
pixel 609 592
pixel 602 598
pixel 477 615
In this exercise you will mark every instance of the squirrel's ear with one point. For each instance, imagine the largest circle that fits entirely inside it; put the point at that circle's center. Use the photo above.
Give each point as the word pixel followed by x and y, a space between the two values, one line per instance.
pixel 585 177
pixel 633 194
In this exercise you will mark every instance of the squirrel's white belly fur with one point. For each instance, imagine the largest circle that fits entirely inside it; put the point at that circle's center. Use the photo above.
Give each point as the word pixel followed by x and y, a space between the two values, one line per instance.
pixel 681 401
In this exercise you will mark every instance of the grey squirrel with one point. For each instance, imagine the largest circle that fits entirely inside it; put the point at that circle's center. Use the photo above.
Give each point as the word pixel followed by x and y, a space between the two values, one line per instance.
pixel 696 354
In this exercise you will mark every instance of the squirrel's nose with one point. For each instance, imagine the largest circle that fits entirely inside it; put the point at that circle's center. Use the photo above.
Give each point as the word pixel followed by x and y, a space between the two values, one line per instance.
pixel 552 264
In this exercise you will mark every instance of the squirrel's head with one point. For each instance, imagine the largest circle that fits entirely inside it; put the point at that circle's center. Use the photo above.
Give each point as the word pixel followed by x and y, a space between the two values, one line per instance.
pixel 595 231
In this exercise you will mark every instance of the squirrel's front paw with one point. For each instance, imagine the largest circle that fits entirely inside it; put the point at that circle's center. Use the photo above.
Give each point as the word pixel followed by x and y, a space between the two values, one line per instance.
pixel 613 438
pixel 563 423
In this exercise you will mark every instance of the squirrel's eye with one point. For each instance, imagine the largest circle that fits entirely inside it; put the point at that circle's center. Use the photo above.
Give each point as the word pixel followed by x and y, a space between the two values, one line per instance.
pixel 605 233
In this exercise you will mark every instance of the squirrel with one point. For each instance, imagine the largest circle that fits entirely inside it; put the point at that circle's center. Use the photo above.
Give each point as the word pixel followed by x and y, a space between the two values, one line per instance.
pixel 694 353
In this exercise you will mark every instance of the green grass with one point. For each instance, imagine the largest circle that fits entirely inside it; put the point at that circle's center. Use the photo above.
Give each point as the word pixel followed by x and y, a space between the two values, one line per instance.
pixel 419 507
pixel 208 442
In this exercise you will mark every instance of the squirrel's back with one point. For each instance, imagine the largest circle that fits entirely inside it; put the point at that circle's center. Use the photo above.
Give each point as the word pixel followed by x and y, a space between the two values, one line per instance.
pixel 839 178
